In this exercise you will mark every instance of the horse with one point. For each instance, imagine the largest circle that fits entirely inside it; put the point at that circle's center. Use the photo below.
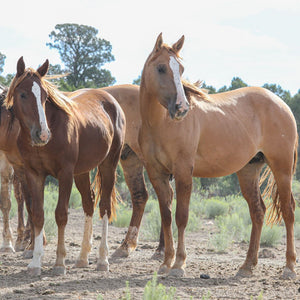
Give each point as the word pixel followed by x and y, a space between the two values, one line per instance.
pixel 187 132
pixel 66 138
pixel 10 178
pixel 127 96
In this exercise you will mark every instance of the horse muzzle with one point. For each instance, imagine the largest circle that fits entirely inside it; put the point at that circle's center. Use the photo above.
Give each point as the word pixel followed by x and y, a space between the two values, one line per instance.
pixel 177 111
pixel 40 137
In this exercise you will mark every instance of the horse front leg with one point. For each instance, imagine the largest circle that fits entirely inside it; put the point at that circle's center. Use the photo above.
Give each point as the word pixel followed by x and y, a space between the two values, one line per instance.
pixel 164 192
pixel 36 186
pixel 5 206
pixel 183 182
pixel 65 180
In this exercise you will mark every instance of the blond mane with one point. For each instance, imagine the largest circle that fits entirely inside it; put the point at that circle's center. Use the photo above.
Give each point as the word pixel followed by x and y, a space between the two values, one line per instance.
pixel 194 89
pixel 54 95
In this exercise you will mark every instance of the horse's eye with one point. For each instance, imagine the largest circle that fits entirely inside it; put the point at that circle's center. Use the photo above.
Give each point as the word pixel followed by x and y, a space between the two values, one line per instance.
pixel 162 69
pixel 23 95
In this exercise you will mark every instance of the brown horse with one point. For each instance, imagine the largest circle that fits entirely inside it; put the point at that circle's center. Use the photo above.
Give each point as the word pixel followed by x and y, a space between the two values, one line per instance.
pixel 186 132
pixel 9 159
pixel 127 96
pixel 66 138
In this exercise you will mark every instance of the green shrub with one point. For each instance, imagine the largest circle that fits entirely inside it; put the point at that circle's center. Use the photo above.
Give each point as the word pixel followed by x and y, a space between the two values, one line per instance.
pixel 220 241
pixel 297 215
pixel 216 207
pixel 123 216
pixel 75 198
pixel 271 236
pixel 154 291
pixel 297 231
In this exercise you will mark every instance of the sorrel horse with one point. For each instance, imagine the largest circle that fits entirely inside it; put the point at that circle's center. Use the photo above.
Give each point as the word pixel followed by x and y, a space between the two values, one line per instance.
pixel 66 138
pixel 127 96
pixel 186 132
pixel 9 177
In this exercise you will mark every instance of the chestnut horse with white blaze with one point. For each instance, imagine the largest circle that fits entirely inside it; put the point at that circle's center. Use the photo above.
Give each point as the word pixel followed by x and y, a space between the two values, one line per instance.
pixel 66 138
pixel 186 132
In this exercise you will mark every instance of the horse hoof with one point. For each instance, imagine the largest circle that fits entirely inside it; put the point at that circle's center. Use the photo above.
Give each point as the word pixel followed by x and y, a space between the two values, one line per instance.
pixel 102 267
pixel 176 273
pixel 121 253
pixel 59 270
pixel 244 273
pixel 288 274
pixel 81 263
pixel 19 247
pixel 7 249
pixel 28 253
pixel 163 270
pixel 34 271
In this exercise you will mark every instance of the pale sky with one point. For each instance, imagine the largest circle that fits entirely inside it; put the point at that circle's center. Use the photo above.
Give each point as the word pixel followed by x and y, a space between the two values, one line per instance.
pixel 257 40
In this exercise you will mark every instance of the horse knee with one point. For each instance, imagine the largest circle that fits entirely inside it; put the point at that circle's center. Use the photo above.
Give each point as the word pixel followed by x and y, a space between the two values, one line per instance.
pixel 61 217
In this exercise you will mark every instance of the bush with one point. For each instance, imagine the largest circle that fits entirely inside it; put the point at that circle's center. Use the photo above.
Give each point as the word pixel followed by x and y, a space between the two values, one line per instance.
pixel 154 291
pixel 216 207
pixel 271 236
pixel 123 216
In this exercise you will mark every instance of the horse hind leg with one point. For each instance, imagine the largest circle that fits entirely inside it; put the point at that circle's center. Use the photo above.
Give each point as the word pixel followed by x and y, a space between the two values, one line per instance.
pixel 287 208
pixel 134 177
pixel 249 183
pixel 5 206
pixel 87 195
pixel 107 172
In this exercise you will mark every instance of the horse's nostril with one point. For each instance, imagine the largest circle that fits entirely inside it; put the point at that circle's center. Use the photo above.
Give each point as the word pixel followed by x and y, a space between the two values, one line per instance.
pixel 178 106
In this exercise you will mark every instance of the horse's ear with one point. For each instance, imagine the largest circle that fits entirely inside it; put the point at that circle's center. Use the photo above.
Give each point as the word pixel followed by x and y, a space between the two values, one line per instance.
pixel 178 45
pixel 159 42
pixel 20 66
pixel 43 69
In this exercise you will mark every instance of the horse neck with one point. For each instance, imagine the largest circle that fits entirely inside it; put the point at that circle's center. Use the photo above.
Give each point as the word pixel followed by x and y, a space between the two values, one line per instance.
pixel 152 112
pixel 9 130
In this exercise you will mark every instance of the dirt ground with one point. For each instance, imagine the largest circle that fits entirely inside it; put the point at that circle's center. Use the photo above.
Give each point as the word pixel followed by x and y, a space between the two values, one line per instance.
pixel 138 269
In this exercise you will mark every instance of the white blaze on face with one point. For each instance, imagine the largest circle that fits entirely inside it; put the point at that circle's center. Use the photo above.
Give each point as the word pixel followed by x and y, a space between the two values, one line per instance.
pixel 36 90
pixel 38 251
pixel 181 100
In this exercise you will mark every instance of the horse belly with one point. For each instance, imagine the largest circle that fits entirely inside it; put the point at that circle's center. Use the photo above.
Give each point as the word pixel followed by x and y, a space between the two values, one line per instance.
pixel 222 165
pixel 93 149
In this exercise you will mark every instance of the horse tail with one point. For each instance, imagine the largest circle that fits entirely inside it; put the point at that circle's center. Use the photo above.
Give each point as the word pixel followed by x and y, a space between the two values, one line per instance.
pixel 111 208
pixel 271 191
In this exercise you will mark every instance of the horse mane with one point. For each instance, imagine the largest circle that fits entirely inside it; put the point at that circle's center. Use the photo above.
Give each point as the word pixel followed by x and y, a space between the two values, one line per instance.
pixel 2 98
pixel 54 95
pixel 194 89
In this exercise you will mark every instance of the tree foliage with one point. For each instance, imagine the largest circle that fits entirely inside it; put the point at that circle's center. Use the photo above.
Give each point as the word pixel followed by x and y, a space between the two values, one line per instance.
pixel 83 54
pixel 2 60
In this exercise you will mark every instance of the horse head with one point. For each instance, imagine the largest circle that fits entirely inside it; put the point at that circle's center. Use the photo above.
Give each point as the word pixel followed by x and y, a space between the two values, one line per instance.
pixel 164 71
pixel 28 96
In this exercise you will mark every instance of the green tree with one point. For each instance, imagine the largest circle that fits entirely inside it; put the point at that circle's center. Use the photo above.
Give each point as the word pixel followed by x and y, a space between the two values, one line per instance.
pixel 2 60
pixel 279 91
pixel 83 55
pixel 137 81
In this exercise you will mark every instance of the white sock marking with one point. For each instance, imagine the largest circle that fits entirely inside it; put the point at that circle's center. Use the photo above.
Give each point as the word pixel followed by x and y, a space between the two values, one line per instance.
pixel 38 251
pixel 103 250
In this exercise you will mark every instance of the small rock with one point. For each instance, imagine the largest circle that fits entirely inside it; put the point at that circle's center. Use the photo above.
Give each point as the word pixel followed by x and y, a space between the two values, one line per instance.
pixel 204 276
pixel 266 253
